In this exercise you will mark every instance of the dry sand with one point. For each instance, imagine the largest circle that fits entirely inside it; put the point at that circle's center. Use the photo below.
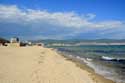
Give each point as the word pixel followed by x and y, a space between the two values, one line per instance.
pixel 41 65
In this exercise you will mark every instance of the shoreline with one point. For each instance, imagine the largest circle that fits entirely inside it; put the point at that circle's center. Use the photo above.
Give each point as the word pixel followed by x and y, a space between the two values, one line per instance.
pixel 81 64
pixel 43 65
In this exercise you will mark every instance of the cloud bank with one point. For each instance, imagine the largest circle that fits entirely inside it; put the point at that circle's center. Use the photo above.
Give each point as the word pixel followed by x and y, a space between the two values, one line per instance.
pixel 40 24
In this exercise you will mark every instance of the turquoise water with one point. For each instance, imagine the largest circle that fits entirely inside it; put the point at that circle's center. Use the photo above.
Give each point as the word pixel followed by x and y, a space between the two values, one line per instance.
pixel 108 61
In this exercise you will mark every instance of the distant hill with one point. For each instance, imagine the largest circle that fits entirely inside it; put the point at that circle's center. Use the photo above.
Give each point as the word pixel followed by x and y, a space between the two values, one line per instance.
pixel 77 42
pixel 81 40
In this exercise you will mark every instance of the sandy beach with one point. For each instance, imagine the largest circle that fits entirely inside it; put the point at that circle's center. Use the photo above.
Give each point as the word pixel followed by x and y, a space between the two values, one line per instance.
pixel 42 65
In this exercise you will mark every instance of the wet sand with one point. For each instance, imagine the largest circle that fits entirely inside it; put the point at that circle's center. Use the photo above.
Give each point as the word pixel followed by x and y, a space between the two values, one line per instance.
pixel 42 65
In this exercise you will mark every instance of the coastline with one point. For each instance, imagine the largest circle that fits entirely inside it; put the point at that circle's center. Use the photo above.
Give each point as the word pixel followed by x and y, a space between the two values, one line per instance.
pixel 81 64
pixel 43 65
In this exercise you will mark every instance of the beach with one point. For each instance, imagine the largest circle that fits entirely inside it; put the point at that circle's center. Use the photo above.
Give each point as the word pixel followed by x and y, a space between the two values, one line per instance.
pixel 36 64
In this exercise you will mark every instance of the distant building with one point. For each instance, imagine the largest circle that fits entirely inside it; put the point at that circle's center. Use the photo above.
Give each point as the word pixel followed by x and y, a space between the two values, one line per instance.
pixel 28 43
pixel 14 42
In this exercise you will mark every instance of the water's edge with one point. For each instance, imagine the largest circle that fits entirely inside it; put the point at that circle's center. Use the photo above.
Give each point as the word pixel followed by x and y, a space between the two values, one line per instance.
pixel 82 63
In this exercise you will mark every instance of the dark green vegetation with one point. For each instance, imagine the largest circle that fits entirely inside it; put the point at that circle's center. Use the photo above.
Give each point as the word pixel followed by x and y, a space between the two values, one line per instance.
pixel 2 40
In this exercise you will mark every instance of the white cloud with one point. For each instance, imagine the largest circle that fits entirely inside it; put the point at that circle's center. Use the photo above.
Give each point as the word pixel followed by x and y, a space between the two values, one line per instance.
pixel 68 19
pixel 110 24
pixel 63 23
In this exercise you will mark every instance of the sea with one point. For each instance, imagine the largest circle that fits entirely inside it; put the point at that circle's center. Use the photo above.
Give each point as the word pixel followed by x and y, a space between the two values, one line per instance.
pixel 106 60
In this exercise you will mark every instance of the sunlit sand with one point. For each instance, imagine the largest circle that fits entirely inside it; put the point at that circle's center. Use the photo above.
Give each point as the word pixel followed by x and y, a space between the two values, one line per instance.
pixel 40 65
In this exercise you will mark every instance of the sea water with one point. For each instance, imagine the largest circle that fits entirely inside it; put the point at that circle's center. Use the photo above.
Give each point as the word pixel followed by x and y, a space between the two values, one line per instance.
pixel 108 61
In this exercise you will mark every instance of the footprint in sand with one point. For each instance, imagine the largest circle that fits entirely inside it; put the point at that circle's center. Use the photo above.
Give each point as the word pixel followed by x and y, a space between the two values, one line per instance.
pixel 39 62
pixel 43 52
pixel 40 59
pixel 35 76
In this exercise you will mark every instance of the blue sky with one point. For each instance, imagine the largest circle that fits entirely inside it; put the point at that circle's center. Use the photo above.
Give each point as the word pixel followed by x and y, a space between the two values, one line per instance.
pixel 62 19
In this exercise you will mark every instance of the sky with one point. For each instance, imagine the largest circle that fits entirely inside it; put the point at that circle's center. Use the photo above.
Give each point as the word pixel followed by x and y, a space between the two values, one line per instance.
pixel 62 19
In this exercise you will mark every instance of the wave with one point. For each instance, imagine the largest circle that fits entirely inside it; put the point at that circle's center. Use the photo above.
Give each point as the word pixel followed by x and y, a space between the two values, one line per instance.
pixel 112 58
pixel 89 59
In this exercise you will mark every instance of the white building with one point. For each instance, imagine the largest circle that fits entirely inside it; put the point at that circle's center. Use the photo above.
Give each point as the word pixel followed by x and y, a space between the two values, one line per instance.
pixel 14 42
